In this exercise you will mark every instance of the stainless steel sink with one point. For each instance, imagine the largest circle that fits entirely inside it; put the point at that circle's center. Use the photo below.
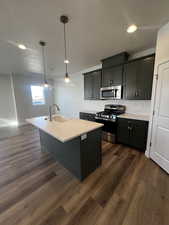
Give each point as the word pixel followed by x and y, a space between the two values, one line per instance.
pixel 57 118
pixel 60 119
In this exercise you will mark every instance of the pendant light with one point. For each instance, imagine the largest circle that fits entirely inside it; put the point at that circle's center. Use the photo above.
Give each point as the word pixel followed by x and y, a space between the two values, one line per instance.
pixel 43 44
pixel 64 19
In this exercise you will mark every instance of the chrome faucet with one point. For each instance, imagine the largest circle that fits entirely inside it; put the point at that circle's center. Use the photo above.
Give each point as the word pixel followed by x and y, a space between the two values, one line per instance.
pixel 50 110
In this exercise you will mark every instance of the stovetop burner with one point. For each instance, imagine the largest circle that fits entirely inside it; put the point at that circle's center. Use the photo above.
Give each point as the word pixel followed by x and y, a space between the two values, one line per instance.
pixel 110 112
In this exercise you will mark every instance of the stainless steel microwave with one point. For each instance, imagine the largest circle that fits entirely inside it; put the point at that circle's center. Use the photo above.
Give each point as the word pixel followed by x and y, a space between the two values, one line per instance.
pixel 113 92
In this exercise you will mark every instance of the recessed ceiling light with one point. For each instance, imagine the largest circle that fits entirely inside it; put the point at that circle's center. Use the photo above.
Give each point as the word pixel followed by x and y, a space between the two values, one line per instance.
pixel 23 47
pixel 132 28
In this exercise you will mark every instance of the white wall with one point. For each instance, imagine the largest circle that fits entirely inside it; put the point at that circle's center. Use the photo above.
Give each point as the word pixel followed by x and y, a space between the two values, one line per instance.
pixel 162 48
pixel 70 96
pixel 7 103
pixel 23 98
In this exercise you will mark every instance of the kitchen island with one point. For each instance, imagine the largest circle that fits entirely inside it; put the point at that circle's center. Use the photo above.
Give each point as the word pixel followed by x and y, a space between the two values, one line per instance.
pixel 75 143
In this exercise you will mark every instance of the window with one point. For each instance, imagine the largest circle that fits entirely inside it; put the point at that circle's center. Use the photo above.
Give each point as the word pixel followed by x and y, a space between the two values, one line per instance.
pixel 38 97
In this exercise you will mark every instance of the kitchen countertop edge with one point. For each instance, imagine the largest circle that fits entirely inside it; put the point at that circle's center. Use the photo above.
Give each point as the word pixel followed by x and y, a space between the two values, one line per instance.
pixel 63 140
pixel 134 116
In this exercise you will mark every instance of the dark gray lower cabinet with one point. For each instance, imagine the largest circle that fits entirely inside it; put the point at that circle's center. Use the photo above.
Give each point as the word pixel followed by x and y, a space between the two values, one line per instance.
pixel 133 133
pixel 87 116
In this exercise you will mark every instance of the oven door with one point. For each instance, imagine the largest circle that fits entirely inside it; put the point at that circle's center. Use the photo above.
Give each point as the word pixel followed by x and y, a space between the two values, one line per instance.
pixel 113 92
pixel 109 130
pixel 109 126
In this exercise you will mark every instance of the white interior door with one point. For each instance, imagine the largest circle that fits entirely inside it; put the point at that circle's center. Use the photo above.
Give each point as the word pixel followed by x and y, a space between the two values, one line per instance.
pixel 160 133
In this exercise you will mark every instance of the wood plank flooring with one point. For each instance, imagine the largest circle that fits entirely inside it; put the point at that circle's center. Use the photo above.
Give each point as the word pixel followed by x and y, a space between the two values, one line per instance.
pixel 35 190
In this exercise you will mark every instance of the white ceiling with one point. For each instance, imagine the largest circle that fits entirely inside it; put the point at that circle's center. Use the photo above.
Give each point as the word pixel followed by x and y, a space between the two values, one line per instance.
pixel 97 30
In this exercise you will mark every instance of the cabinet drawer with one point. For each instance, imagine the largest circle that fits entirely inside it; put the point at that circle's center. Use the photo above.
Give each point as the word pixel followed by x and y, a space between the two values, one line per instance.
pixel 87 116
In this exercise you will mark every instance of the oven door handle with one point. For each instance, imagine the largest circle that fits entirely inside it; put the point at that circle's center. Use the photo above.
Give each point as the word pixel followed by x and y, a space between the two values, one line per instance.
pixel 98 118
pixel 114 93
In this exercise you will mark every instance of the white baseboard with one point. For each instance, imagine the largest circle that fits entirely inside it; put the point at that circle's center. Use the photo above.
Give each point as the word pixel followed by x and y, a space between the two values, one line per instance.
pixel 147 154
pixel 22 124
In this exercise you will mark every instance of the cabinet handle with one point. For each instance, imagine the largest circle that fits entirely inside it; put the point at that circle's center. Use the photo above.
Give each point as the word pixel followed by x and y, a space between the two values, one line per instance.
pixel 131 131
pixel 111 82
pixel 147 96
pixel 136 94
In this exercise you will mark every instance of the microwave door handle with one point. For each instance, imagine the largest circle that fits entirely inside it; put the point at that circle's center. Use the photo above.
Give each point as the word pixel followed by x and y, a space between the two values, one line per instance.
pixel 101 94
pixel 113 93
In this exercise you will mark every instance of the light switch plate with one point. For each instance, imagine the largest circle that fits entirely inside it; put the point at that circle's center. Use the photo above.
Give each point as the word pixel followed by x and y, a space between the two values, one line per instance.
pixel 83 137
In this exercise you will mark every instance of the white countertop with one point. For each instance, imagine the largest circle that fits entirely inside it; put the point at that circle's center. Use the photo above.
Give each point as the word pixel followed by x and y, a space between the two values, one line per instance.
pixel 134 116
pixel 64 129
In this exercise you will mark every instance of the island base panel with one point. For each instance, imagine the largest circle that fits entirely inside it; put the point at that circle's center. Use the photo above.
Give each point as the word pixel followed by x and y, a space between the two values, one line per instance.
pixel 80 157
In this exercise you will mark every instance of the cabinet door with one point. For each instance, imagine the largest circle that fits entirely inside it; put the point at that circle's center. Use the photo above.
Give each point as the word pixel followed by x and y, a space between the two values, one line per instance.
pixel 96 84
pixel 112 76
pixel 132 133
pixel 145 78
pixel 138 79
pixel 92 85
pixel 130 87
pixel 123 131
pixel 138 135
pixel 88 86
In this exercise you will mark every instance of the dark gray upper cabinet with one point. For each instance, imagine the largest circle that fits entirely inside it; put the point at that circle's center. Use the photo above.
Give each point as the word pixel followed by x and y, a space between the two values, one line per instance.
pixel 130 80
pixel 112 70
pixel 88 86
pixel 96 83
pixel 145 78
pixel 112 76
pixel 138 78
pixel 115 60
pixel 135 76
pixel 92 85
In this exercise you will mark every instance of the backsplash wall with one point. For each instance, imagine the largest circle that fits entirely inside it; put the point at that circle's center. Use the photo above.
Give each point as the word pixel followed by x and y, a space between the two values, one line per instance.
pixel 139 107
pixel 70 96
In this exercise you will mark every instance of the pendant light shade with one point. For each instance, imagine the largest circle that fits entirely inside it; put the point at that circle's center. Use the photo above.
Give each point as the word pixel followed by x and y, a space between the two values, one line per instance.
pixel 46 84
pixel 67 79
pixel 64 19
pixel 43 45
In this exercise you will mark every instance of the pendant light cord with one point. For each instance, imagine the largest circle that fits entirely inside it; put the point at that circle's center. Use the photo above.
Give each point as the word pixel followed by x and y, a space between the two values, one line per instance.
pixel 65 46
pixel 44 62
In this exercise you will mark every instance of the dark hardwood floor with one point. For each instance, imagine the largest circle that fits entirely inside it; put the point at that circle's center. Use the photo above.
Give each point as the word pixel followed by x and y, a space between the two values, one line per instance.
pixel 35 190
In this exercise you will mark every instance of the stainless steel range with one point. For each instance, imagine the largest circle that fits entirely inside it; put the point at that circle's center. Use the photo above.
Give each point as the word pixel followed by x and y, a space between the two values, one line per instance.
pixel 109 118
pixel 110 112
